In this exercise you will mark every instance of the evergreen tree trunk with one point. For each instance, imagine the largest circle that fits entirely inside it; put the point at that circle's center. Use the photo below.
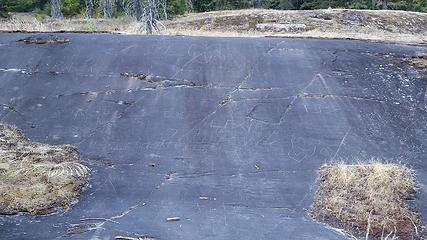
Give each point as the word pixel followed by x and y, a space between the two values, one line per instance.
pixel 55 10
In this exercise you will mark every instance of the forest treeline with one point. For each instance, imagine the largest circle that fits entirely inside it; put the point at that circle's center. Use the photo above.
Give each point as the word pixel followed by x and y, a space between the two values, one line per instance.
pixel 70 8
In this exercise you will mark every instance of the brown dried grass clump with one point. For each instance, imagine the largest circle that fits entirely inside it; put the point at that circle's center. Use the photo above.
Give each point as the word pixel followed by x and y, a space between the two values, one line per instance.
pixel 37 178
pixel 368 200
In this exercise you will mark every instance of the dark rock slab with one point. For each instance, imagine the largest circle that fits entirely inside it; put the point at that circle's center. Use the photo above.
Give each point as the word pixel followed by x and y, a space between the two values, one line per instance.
pixel 224 133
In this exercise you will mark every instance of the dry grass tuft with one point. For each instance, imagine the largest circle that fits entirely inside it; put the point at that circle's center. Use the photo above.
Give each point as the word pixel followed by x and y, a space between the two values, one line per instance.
pixel 27 22
pixel 369 199
pixel 37 178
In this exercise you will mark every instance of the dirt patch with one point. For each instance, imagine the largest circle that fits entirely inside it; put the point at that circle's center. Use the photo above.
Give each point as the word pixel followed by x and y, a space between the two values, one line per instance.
pixel 37 178
pixel 419 62
pixel 368 200
pixel 351 18
pixel 140 76
pixel 39 40
pixel 278 27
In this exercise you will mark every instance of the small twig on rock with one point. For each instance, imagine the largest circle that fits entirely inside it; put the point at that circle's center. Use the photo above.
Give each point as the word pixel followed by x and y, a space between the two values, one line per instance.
pixel 127 238
pixel 173 219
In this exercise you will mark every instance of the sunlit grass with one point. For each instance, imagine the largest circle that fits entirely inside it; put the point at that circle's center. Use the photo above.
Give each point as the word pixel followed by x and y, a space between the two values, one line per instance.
pixel 370 197
pixel 37 178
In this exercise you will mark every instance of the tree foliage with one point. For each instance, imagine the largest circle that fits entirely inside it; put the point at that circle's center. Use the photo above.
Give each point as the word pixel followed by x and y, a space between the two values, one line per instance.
pixel 3 12
pixel 72 7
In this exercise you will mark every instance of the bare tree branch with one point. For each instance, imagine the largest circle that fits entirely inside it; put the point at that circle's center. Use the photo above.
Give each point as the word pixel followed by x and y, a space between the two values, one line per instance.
pixel 55 9
pixel 107 8
pixel 89 8
pixel 150 12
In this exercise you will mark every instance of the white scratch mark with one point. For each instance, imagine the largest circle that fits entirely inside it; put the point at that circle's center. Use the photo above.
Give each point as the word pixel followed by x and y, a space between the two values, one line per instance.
pixel 341 143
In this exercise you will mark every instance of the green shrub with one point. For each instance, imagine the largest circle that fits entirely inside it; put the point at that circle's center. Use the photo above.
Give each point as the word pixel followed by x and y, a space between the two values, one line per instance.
pixel 177 7
pixel 72 7
pixel 358 5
